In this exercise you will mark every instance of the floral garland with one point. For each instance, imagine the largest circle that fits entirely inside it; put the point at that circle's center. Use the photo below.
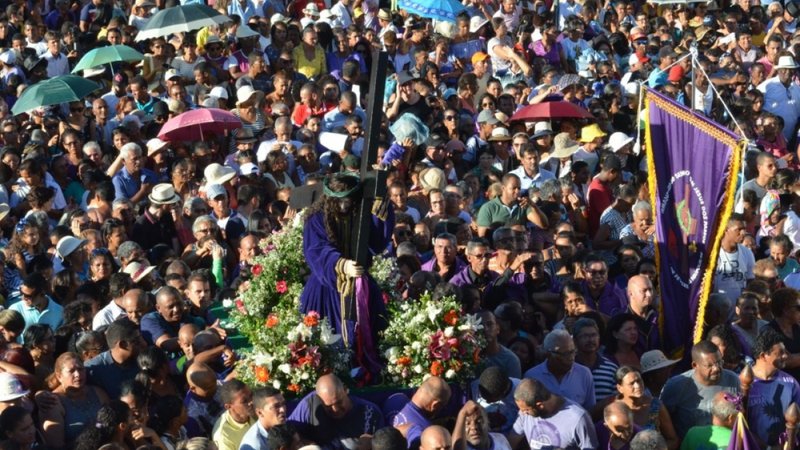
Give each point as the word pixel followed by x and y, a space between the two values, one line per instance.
pixel 431 338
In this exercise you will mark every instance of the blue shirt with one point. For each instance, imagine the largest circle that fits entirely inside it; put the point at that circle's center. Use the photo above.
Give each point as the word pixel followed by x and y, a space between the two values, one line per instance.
pixel 577 385
pixel 106 373
pixel 255 438
pixel 126 186
pixel 411 414
pixel 245 12
pixel 52 315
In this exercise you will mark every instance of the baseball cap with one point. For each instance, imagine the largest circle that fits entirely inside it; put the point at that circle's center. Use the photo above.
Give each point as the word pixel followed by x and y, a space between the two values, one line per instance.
pixel 676 73
pixel 215 190
pixel 478 57
pixel 171 73
pixel 487 116
pixel 218 92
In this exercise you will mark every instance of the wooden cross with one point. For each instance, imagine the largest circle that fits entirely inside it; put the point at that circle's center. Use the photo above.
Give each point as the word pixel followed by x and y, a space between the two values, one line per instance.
pixel 373 181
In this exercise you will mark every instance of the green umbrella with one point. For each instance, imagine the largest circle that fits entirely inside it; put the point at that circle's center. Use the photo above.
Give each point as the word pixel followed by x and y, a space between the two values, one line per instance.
pixel 107 55
pixel 180 19
pixel 61 89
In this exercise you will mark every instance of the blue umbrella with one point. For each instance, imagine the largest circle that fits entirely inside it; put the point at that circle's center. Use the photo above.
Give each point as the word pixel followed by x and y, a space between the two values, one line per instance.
pixel 445 10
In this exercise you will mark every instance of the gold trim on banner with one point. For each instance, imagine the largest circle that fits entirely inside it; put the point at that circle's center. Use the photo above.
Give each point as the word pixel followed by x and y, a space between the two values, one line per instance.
pixel 722 219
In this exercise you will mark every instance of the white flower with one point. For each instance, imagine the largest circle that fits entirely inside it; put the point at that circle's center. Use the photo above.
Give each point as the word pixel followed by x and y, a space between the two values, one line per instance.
pixel 285 368
pixel 417 369
pixel 276 384
pixel 227 303
pixel 433 312
pixel 304 376
pixel 391 354
pixel 448 332
pixel 416 345
pixel 450 374
pixel 472 322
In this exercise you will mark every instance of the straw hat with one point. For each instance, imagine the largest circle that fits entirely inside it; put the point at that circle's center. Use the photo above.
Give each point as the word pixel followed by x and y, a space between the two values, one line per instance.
pixel 163 194
pixel 155 145
pixel 216 173
pixel 432 178
pixel 137 270
pixel 67 245
pixel 654 360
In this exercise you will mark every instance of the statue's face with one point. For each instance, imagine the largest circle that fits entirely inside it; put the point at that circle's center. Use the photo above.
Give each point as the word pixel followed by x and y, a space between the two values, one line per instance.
pixel 346 206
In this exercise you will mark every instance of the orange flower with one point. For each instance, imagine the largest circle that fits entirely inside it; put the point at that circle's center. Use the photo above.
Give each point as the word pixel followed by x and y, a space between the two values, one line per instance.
pixel 476 356
pixel 272 320
pixel 294 388
pixel 311 319
pixel 404 361
pixel 262 374
pixel 451 317
pixel 437 368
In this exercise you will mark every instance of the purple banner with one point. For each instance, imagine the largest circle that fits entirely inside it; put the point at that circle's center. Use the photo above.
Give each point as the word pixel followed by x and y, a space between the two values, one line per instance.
pixel 692 168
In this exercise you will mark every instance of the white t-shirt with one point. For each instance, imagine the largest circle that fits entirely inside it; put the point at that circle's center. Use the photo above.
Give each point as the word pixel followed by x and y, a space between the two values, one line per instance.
pixel 733 272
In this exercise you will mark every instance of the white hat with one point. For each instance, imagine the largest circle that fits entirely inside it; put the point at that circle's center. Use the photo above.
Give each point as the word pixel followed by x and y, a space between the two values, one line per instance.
pixel 170 74
pixel 8 57
pixel 786 62
pixel 542 129
pixel 67 245
pixel 216 173
pixel 137 270
pixel 249 169
pixel 277 17
pixel 163 194
pixel 93 72
pixel 218 92
pixel 326 14
pixel 244 32
pixel 476 22
pixel 500 134
pixel 210 102
pixel 446 29
pixel 312 9
pixel 155 145
pixel 246 93
pixel 10 387
pixel 618 140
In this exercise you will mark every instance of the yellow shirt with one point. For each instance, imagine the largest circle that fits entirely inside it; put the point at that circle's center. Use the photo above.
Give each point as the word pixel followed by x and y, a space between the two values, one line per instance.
pixel 311 69
pixel 228 433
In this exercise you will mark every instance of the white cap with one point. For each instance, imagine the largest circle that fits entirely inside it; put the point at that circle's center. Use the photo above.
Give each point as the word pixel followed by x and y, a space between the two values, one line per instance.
pixel 218 92
pixel 67 245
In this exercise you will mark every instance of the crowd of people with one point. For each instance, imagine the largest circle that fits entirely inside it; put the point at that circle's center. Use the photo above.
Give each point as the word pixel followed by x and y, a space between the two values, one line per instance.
pixel 116 244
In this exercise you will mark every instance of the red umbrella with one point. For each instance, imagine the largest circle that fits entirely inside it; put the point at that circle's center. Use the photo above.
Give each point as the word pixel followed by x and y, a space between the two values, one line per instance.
pixel 551 110
pixel 194 125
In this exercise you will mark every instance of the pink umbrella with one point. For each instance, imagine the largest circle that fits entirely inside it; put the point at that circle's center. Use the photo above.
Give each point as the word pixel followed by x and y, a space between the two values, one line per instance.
pixel 551 110
pixel 194 125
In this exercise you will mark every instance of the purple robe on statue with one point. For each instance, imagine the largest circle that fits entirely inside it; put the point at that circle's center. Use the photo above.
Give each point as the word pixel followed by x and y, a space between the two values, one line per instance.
pixel 320 293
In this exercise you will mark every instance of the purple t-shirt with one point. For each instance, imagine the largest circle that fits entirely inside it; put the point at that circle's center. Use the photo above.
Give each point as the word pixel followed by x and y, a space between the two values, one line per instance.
pixel 570 428
pixel 766 403
pixel 413 415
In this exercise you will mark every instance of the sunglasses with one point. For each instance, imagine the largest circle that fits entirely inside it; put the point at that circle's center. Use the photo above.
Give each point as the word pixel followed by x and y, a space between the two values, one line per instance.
pixel 214 48
pixel 449 117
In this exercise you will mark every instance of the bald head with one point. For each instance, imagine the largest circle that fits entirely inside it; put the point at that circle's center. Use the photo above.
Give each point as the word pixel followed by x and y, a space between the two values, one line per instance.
pixel 201 376
pixel 135 304
pixel 435 438
pixel 640 295
pixel 328 384
pixel 333 395
pixel 432 395
pixel 618 418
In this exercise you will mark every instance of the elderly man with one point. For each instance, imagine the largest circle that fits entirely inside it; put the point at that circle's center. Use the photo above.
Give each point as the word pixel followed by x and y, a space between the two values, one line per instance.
pixel 560 374
pixel 270 410
pixel 641 303
pixel 547 420
pixel 472 430
pixel 781 96
pixel 617 428
pixel 689 396
pixel 136 305
pixel 445 261
pixel 718 434
pixel 332 418
pixel 429 399
pixel 156 225
pixel 133 181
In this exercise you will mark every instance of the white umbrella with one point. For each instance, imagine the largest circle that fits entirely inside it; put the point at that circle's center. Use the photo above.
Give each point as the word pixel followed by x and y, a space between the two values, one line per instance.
pixel 181 19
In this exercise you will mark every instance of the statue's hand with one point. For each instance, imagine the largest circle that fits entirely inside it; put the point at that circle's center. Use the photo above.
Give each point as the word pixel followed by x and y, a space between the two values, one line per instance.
pixel 352 269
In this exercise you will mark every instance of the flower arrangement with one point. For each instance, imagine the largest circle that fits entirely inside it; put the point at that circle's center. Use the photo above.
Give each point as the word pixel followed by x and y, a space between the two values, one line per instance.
pixel 386 273
pixel 302 348
pixel 289 350
pixel 430 337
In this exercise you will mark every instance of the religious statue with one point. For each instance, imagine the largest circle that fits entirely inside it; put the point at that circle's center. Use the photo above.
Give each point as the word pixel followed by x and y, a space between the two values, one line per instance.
pixel 339 288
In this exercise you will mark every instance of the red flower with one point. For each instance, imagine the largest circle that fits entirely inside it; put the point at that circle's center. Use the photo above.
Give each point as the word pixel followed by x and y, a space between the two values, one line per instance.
pixel 311 319
pixel 272 320
pixel 437 369
pixel 451 317
pixel 240 306
pixel 262 374
pixel 257 269
pixel 404 361
pixel 280 286
pixel 294 388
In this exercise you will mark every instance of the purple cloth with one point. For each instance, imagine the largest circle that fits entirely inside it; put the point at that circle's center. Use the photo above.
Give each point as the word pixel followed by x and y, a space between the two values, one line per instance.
pixel 690 191
pixel 570 427
pixel 320 293
pixel 604 436
pixel 431 266
pixel 393 153
pixel 612 300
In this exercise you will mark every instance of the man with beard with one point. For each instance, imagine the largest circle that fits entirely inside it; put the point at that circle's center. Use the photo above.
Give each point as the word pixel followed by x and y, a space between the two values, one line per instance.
pixel 641 303
pixel 336 278
pixel 472 430
pixel 270 410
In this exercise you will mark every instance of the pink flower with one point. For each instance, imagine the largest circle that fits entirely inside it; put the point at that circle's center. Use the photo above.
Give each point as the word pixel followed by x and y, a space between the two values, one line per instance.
pixel 240 306
pixel 281 287
pixel 257 269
